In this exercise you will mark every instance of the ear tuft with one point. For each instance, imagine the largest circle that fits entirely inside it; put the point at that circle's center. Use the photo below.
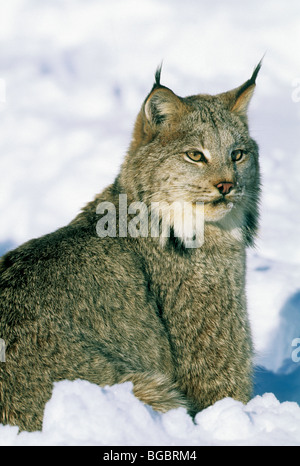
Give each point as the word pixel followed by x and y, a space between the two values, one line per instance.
pixel 157 76
pixel 255 73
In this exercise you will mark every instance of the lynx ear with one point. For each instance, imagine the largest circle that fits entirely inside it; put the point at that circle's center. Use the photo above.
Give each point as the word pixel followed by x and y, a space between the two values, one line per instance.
pixel 161 104
pixel 160 109
pixel 237 100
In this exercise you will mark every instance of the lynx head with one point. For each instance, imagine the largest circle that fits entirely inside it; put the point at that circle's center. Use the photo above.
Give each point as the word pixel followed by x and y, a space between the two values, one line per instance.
pixel 197 149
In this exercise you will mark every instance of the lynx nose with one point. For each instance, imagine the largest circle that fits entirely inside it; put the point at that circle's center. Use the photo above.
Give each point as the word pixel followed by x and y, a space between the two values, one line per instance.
pixel 224 187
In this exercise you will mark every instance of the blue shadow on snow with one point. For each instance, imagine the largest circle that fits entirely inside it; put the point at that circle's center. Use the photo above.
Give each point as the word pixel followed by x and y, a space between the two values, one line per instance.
pixel 285 382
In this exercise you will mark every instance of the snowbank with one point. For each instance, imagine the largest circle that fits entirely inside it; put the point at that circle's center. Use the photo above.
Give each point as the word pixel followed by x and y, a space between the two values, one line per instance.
pixel 76 73
pixel 80 413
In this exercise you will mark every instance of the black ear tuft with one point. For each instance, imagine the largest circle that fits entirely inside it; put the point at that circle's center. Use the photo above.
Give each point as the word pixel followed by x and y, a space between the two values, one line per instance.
pixel 157 84
pixel 251 81
pixel 255 72
pixel 157 76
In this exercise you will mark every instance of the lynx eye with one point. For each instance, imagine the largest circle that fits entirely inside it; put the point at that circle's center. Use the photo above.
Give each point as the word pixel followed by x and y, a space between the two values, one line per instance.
pixel 196 156
pixel 237 155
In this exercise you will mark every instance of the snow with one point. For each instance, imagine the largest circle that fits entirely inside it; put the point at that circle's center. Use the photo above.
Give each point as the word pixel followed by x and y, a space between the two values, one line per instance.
pixel 73 75
pixel 83 414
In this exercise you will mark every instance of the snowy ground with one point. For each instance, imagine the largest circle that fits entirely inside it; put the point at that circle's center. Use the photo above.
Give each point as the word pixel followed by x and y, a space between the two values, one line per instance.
pixel 72 77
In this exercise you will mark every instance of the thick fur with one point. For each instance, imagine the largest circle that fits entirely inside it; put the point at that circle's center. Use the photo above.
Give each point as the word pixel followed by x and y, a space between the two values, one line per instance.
pixel 171 319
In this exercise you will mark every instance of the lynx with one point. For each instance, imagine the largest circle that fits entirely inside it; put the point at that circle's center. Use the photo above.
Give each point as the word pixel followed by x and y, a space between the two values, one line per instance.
pixel 171 319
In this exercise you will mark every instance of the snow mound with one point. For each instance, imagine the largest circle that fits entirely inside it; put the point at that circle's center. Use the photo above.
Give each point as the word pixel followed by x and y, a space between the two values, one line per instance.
pixel 75 75
pixel 81 413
